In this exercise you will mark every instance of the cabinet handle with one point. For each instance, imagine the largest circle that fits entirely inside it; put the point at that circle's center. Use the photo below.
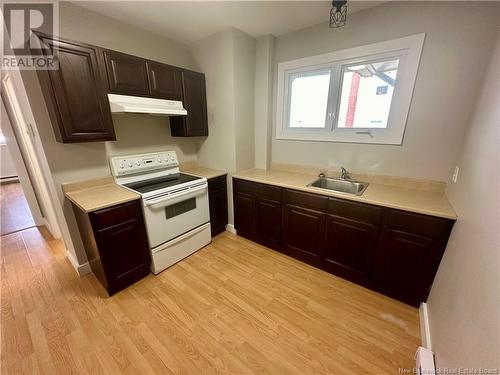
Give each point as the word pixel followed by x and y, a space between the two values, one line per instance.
pixel 153 75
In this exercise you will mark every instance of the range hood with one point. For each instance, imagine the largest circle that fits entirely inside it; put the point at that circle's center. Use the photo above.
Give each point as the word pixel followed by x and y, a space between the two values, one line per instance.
pixel 137 104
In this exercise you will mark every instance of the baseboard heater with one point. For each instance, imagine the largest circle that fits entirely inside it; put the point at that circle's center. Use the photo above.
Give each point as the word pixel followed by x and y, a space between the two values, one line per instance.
pixel 425 361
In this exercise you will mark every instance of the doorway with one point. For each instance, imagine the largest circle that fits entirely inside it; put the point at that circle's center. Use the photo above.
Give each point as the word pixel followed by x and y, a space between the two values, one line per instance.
pixel 15 213
pixel 19 135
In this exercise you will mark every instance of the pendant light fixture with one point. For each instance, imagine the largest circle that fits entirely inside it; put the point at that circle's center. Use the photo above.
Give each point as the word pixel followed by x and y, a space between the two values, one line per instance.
pixel 338 13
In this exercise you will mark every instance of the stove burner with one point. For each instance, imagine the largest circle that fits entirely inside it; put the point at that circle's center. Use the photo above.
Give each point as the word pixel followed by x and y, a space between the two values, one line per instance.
pixel 146 186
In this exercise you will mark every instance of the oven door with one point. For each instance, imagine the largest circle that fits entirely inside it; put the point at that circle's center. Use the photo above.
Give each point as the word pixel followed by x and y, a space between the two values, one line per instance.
pixel 171 215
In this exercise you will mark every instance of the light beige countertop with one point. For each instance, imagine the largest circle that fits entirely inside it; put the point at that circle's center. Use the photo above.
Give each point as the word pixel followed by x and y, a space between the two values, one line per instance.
pixel 203 172
pixel 95 194
pixel 408 199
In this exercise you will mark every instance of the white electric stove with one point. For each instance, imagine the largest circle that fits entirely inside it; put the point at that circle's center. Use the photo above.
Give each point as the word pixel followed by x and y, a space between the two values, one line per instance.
pixel 175 204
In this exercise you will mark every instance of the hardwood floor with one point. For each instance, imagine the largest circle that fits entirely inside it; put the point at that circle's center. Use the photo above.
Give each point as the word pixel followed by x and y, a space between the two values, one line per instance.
pixel 15 214
pixel 233 307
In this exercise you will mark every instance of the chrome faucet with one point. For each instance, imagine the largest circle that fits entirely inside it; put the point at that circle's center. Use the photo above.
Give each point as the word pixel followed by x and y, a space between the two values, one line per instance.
pixel 344 175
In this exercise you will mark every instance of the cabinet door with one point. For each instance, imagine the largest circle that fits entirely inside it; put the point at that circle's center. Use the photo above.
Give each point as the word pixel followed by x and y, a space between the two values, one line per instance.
pixel 195 123
pixel 164 81
pixel 75 94
pixel 303 233
pixel 268 214
pixel 217 194
pixel 244 214
pixel 124 253
pixel 122 242
pixel 351 239
pixel 349 247
pixel 409 253
pixel 126 74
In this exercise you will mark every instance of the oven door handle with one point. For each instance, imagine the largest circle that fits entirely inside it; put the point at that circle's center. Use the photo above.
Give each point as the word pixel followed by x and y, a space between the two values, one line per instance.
pixel 169 197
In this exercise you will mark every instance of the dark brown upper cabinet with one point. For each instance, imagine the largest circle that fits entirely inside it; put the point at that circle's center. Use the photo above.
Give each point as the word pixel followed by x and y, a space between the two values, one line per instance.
pixel 165 81
pixel 75 94
pixel 126 74
pixel 195 101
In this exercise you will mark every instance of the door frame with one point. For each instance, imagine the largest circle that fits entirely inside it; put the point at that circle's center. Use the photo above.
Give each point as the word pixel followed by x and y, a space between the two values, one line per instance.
pixel 21 170
pixel 21 137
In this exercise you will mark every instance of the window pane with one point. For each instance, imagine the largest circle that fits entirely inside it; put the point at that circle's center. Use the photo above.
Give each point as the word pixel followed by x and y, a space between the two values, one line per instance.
pixel 308 99
pixel 367 94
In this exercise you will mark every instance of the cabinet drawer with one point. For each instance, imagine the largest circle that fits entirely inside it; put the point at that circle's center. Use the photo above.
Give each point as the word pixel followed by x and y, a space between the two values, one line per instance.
pixel 306 200
pixel 217 183
pixel 355 211
pixel 263 191
pixel 419 224
pixel 108 217
pixel 243 186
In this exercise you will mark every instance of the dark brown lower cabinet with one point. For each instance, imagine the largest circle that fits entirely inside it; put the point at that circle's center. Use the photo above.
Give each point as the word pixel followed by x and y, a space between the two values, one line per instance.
pixel 217 199
pixel 116 244
pixel 303 224
pixel 244 214
pixel 258 212
pixel 351 237
pixel 409 253
pixel 268 214
pixel 393 252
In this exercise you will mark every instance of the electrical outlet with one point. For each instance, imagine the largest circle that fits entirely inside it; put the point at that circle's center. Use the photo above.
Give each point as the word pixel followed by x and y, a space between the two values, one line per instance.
pixel 455 174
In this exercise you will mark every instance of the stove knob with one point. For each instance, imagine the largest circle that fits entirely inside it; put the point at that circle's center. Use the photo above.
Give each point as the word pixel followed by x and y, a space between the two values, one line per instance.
pixel 138 163
pixel 159 160
pixel 130 165
pixel 122 166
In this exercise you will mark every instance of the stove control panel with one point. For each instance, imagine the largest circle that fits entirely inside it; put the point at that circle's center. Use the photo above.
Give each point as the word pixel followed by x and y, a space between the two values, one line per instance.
pixel 134 164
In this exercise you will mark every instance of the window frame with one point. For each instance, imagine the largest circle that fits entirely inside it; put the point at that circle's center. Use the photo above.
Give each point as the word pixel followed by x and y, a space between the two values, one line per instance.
pixel 408 50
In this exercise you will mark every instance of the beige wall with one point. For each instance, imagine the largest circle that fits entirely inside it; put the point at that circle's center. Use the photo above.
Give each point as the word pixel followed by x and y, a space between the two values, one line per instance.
pixel 227 59
pixel 457 46
pixel 244 66
pixel 214 55
pixel 135 133
pixel 263 101
pixel 464 304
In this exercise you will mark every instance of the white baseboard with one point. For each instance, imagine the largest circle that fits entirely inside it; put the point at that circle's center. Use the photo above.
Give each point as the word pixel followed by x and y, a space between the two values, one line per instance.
pixel 81 269
pixel 230 228
pixel 425 330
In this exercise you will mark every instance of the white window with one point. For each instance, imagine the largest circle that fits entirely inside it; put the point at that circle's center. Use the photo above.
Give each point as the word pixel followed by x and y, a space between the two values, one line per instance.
pixel 358 95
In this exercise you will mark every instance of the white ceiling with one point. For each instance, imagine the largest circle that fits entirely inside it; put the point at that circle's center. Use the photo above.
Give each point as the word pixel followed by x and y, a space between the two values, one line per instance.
pixel 188 21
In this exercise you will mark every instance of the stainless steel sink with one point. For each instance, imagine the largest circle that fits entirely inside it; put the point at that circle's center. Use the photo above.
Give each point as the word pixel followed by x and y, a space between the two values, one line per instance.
pixel 339 185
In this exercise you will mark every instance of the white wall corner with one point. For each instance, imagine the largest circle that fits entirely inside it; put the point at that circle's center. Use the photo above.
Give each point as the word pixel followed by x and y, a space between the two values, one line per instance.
pixel 81 269
pixel 230 228
pixel 425 331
